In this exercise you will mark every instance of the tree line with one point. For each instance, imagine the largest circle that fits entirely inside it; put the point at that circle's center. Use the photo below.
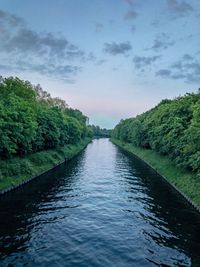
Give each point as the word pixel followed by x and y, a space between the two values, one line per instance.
pixel 99 132
pixel 172 128
pixel 31 120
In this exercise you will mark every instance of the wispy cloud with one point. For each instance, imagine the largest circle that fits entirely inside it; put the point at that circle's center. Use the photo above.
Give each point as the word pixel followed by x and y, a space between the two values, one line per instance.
pixel 164 73
pixel 117 48
pixel 141 62
pixel 99 27
pixel 161 42
pixel 155 23
pixel 129 2
pixel 130 15
pixel 179 8
pixel 11 19
pixel 62 72
pixel 133 29
pixel 16 37
pixel 187 69
pixel 100 62
pixel 48 53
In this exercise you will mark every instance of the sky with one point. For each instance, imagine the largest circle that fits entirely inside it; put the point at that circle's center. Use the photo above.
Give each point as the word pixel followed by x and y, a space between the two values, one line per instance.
pixel 112 59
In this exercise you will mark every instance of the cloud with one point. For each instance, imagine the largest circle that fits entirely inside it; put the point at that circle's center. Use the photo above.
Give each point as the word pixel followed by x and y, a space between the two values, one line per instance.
pixel 11 19
pixel 117 49
pixel 187 57
pixel 187 69
pixel 141 62
pixel 133 29
pixel 100 62
pixel 129 2
pixel 155 23
pixel 99 27
pixel 161 42
pixel 49 53
pixel 180 8
pixel 62 72
pixel 26 41
pixel 91 57
pixel 165 73
pixel 130 15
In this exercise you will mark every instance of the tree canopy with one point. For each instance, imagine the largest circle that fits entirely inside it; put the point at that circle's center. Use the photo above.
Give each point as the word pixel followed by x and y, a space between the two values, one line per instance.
pixel 171 128
pixel 99 132
pixel 31 120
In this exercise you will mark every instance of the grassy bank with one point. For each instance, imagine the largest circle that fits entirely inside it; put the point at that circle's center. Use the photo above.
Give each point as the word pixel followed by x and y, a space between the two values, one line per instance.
pixel 187 182
pixel 17 170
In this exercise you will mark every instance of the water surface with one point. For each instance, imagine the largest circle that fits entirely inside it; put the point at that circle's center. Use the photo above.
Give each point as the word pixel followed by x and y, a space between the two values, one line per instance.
pixel 103 208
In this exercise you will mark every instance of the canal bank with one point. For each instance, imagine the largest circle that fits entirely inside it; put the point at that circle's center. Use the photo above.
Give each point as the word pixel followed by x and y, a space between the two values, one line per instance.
pixel 18 171
pixel 186 183
pixel 103 208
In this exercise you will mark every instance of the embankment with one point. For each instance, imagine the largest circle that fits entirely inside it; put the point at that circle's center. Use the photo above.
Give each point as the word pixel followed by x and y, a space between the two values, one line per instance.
pixel 18 170
pixel 185 182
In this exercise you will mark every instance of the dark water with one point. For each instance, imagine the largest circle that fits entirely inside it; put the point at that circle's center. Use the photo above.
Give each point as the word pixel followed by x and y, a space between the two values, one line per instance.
pixel 104 208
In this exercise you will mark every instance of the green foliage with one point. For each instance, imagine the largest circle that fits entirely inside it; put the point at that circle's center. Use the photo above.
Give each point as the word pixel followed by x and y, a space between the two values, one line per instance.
pixel 17 126
pixel 75 113
pixel 99 132
pixel 16 170
pixel 172 128
pixel 74 130
pixel 184 180
pixel 31 120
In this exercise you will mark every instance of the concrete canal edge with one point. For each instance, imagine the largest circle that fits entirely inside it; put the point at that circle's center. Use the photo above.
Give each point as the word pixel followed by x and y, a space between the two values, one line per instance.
pixel 28 180
pixel 162 176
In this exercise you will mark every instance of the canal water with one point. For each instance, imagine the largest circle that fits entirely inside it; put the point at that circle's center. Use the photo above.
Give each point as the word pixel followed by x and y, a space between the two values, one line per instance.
pixel 103 208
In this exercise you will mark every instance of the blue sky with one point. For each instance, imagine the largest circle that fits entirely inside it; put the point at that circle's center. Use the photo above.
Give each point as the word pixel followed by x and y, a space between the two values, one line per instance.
pixel 111 59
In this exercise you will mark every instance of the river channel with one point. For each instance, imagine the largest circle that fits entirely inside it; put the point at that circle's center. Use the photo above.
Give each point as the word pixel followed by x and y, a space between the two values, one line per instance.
pixel 103 208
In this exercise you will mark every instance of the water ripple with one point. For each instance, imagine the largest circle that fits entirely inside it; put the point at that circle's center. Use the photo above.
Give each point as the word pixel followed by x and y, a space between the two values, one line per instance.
pixel 104 208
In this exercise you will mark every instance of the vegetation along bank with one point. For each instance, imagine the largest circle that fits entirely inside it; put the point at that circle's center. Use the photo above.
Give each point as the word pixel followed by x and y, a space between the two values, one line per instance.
pixel 36 131
pixel 100 132
pixel 168 138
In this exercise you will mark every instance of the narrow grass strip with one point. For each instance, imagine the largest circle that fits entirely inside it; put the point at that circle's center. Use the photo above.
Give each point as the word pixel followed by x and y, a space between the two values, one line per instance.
pixel 187 182
pixel 18 170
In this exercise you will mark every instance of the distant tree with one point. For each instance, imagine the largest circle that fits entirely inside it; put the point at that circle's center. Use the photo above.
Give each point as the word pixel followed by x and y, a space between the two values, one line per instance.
pixel 99 132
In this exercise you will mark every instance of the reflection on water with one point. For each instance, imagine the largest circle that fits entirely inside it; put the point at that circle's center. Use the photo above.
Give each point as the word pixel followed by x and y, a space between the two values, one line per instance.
pixel 103 208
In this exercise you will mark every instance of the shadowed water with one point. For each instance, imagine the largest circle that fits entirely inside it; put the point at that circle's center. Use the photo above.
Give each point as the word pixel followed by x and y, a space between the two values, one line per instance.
pixel 104 208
